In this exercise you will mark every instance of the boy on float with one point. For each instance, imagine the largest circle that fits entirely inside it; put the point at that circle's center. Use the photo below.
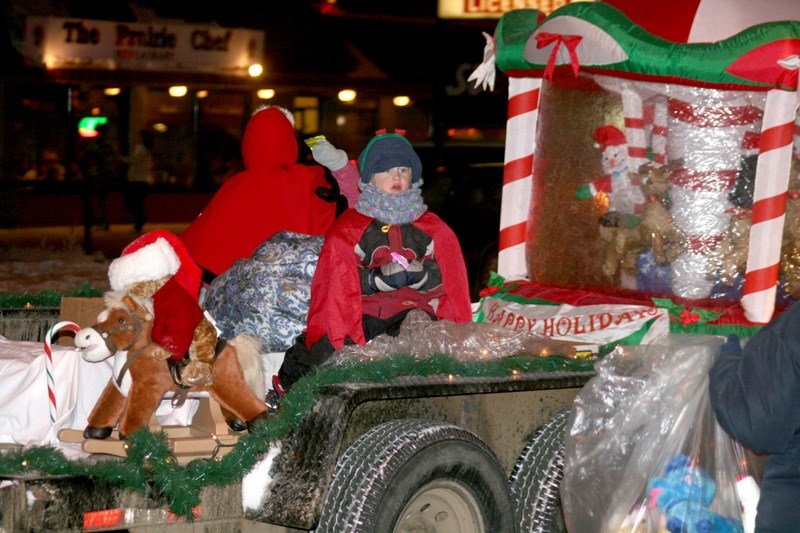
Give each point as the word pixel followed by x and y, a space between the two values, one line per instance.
pixel 381 259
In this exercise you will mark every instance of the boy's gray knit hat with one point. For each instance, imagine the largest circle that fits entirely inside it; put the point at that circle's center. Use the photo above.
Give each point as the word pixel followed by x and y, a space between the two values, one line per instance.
pixel 385 151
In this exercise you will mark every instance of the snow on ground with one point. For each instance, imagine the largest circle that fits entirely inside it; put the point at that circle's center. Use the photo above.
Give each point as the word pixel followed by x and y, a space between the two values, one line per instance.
pixel 33 260
pixel 33 270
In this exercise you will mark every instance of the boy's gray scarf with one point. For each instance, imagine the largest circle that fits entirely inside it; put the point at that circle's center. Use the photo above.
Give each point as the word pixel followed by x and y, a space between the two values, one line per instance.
pixel 391 208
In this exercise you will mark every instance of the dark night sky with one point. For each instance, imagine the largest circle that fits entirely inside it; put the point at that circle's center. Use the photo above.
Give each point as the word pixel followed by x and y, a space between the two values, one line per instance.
pixel 262 14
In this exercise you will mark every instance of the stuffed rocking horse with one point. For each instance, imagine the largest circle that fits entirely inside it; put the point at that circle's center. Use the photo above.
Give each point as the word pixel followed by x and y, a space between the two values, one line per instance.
pixel 141 378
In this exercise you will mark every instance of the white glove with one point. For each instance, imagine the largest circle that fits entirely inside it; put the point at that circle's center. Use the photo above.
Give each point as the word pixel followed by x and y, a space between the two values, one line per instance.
pixel 329 156
pixel 484 74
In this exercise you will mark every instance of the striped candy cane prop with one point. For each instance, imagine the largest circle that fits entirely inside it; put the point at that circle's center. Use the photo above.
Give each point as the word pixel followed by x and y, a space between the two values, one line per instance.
pixel 523 106
pixel 49 370
pixel 658 132
pixel 706 134
pixel 769 203
pixel 633 109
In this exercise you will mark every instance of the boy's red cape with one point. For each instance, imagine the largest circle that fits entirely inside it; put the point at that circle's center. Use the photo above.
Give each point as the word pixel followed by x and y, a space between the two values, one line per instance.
pixel 336 288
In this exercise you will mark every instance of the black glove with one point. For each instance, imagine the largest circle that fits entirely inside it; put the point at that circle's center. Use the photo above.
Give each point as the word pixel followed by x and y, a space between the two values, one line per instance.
pixel 388 277
pixel 417 275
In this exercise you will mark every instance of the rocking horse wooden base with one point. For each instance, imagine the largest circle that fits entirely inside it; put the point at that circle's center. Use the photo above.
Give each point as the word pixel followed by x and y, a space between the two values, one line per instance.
pixel 207 437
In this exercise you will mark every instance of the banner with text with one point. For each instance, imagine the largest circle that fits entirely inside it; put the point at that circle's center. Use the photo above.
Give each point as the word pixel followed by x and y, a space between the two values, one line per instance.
pixel 67 43
pixel 493 9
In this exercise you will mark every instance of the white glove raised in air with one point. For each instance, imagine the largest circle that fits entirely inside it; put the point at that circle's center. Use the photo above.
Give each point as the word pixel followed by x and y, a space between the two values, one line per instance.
pixel 328 155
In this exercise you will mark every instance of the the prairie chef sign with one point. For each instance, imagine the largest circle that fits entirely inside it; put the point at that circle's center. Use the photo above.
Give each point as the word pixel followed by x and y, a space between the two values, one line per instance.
pixel 64 43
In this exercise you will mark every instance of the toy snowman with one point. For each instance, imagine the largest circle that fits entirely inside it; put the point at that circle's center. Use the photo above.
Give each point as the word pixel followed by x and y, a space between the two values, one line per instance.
pixel 624 196
pixel 618 226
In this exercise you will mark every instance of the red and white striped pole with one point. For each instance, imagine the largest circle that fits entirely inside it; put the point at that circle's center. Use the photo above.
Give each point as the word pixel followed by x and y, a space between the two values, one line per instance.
pixel 769 202
pixel 707 137
pixel 523 106
pixel 633 110
pixel 658 132
pixel 50 368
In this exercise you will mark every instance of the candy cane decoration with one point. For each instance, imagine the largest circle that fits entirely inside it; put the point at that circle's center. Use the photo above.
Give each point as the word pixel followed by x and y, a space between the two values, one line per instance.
pixel 700 188
pixel 658 132
pixel 633 109
pixel 769 202
pixel 523 113
pixel 49 371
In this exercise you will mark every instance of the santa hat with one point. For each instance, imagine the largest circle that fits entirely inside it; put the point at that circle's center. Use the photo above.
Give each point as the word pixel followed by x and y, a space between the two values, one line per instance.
pixel 389 150
pixel 152 256
pixel 608 135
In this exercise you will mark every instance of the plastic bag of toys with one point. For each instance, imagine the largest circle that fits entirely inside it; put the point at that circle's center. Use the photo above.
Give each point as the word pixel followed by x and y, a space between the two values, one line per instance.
pixel 643 450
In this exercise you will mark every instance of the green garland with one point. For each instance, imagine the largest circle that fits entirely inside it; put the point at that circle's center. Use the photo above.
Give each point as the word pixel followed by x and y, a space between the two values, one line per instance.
pixel 683 319
pixel 150 463
pixel 47 298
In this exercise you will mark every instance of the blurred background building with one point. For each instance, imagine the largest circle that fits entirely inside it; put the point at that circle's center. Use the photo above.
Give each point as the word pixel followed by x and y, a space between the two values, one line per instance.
pixel 182 69
pixel 69 64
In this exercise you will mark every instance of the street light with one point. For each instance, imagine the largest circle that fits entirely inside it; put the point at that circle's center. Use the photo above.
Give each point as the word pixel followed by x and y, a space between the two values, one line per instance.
pixel 178 90
pixel 347 95
pixel 255 70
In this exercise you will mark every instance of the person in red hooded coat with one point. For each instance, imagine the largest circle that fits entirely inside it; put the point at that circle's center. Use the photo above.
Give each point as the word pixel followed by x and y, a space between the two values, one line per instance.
pixel 272 194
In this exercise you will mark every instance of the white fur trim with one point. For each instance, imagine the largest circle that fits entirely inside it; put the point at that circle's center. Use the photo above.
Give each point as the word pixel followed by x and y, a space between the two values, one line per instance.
pixel 148 263
pixel 286 113
pixel 257 484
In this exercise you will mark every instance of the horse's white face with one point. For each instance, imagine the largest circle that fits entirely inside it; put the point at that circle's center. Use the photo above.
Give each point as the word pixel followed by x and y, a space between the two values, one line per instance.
pixel 92 345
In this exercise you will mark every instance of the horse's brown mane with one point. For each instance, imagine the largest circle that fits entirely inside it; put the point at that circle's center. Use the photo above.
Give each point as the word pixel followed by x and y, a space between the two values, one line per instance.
pixel 113 300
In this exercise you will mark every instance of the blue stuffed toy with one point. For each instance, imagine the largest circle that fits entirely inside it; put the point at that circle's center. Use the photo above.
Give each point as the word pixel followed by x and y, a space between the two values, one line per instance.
pixel 684 494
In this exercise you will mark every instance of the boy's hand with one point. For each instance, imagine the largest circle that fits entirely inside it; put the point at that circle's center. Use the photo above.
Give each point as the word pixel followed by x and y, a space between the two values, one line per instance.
pixel 417 276
pixel 388 277
pixel 732 344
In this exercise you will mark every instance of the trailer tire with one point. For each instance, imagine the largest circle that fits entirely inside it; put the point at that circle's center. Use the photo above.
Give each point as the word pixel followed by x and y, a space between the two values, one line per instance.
pixel 415 475
pixel 536 479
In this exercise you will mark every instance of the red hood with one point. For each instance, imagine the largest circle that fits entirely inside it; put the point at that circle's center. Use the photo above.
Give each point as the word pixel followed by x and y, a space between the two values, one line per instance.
pixel 269 142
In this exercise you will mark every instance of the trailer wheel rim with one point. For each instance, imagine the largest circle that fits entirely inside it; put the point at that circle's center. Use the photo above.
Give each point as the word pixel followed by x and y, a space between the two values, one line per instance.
pixel 441 506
